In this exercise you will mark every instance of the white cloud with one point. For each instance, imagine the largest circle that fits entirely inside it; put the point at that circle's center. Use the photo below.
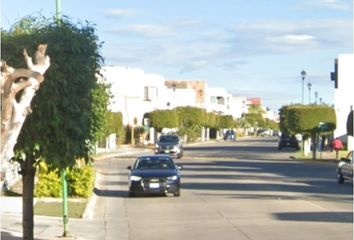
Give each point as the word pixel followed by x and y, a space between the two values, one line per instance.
pixel 144 30
pixel 269 37
pixel 342 5
pixel 119 13
pixel 293 39
pixel 174 46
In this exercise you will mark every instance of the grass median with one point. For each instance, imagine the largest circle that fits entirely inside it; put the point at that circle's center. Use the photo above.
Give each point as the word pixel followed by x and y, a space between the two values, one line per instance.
pixel 54 207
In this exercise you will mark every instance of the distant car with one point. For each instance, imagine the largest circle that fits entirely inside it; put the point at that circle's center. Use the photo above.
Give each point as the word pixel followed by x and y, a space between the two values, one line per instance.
pixel 345 168
pixel 286 141
pixel 156 174
pixel 230 135
pixel 169 144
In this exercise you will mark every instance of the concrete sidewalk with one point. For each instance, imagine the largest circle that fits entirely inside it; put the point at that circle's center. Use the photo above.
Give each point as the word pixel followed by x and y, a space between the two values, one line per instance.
pixel 88 227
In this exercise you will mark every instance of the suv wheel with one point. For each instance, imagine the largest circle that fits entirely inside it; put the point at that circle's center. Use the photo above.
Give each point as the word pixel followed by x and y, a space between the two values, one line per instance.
pixel 177 193
pixel 340 178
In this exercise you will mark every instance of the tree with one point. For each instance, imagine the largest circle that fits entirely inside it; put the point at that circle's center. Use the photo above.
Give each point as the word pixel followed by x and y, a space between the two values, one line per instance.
pixel 18 86
pixel 63 125
pixel 190 121
pixel 160 119
pixel 308 121
pixel 116 125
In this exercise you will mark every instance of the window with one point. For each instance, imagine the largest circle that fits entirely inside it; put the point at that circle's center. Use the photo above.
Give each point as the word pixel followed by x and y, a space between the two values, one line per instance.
pixel 150 93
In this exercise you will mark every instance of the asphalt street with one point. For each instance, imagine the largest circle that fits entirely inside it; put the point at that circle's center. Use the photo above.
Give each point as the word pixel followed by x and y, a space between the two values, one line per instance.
pixel 230 190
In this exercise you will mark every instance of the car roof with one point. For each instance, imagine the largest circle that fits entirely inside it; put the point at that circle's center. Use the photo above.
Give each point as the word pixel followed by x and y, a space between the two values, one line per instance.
pixel 157 156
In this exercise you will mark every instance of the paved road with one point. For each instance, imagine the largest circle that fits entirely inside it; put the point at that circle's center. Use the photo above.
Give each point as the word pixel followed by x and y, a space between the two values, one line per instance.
pixel 234 190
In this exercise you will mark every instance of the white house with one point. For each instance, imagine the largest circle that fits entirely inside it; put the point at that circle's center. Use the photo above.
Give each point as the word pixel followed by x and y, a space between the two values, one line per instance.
pixel 343 94
pixel 238 106
pixel 136 93
pixel 218 100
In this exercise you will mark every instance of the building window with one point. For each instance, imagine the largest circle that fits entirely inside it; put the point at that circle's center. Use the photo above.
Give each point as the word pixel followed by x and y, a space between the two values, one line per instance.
pixel 220 100
pixel 213 99
pixel 150 93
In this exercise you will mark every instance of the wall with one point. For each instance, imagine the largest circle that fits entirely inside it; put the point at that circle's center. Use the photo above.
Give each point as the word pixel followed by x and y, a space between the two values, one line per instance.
pixel 343 95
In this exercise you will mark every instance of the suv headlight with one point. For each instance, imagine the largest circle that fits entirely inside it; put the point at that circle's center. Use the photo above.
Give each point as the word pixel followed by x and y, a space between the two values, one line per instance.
pixel 135 178
pixel 172 178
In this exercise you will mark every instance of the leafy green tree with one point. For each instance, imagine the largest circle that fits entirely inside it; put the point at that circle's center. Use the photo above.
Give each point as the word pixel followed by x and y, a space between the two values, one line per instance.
pixel 254 119
pixel 116 125
pixel 160 119
pixel 226 122
pixel 190 121
pixel 308 121
pixel 64 122
pixel 101 118
pixel 211 120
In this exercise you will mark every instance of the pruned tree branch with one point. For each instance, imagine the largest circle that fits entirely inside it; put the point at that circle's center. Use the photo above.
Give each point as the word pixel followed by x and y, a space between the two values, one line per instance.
pixel 19 81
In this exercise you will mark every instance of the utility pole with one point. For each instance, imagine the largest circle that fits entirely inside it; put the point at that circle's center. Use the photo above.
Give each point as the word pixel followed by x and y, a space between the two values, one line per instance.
pixel 58 11
pixel 63 170
pixel 303 75
pixel 309 86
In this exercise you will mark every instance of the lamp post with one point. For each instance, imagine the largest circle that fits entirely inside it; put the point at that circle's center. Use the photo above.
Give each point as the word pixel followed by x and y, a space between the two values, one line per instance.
pixel 316 96
pixel 303 75
pixel 309 86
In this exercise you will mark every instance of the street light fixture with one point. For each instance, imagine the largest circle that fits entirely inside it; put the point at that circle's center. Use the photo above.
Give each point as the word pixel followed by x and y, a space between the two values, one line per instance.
pixel 309 86
pixel 303 75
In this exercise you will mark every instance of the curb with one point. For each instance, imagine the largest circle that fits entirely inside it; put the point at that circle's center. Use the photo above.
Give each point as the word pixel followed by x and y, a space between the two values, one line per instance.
pixel 90 206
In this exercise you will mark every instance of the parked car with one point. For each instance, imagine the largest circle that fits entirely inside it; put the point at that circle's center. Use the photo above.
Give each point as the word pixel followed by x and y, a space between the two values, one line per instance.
pixel 156 174
pixel 230 135
pixel 345 168
pixel 169 144
pixel 287 141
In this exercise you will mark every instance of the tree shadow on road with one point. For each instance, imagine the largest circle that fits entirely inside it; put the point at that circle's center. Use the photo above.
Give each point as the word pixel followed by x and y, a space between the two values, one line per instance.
pixel 338 217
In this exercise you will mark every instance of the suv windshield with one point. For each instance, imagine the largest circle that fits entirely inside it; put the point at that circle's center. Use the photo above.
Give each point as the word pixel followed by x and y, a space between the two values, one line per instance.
pixel 154 163
pixel 169 138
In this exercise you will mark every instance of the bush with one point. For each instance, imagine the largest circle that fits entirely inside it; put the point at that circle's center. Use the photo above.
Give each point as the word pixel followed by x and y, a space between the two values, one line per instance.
pixel 49 182
pixel 80 182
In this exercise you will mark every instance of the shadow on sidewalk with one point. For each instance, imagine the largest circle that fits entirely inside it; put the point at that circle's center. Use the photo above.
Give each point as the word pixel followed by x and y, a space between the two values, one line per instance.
pixel 110 193
pixel 11 236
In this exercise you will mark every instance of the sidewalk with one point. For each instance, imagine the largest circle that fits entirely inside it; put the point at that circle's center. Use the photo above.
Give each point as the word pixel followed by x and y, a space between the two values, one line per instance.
pixel 45 228
pixel 324 157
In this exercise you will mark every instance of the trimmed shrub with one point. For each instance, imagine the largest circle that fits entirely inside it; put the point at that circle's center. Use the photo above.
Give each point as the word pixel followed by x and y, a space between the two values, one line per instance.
pixel 49 182
pixel 80 181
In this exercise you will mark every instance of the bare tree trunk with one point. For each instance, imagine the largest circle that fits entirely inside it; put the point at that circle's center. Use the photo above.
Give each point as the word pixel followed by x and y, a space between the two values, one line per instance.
pixel 28 174
pixel 24 82
pixel 14 113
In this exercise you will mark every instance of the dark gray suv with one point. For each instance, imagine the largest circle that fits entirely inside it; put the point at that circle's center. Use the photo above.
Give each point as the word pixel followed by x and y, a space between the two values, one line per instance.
pixel 170 144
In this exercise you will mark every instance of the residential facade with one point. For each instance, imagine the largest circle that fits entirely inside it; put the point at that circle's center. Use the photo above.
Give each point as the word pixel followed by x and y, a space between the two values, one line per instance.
pixel 136 93
pixel 343 94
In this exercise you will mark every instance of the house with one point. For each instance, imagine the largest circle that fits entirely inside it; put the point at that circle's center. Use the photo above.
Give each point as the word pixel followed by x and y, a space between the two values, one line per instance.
pixel 343 77
pixel 136 92
pixel 218 100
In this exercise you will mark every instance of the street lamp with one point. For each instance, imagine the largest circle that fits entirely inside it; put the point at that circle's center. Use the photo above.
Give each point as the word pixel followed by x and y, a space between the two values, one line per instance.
pixel 309 86
pixel 303 75
pixel 316 96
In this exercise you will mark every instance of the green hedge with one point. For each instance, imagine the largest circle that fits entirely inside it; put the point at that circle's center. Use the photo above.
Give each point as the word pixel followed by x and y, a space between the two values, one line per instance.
pixel 306 119
pixel 80 182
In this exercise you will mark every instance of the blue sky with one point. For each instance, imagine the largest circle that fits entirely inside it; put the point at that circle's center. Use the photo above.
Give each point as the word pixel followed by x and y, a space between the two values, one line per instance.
pixel 254 48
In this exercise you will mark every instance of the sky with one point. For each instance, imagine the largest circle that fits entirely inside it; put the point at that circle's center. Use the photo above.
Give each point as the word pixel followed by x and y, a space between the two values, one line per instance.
pixel 254 48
